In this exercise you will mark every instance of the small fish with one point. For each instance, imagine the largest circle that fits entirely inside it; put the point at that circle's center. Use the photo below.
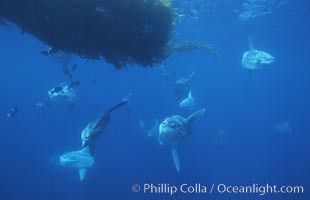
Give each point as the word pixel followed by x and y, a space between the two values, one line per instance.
pixel 256 60
pixel 43 104
pixel 75 84
pixel 50 51
pixel 66 71
pixel 13 111
pixel 74 68
pixel 100 9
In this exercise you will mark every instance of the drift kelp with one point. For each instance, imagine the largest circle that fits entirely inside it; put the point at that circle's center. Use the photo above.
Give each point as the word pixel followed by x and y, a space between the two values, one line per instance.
pixel 121 31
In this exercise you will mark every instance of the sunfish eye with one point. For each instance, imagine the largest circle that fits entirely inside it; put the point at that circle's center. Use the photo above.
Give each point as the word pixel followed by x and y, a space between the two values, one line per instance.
pixel 172 124
pixel 164 123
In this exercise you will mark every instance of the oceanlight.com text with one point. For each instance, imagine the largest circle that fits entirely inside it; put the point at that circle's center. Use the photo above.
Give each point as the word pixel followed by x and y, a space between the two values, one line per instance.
pixel 198 188
pixel 260 189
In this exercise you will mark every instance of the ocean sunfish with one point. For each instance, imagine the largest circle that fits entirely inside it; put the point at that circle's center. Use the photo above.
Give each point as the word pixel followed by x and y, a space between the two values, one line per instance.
pixel 181 87
pixel 81 160
pixel 94 128
pixel 62 93
pixel 188 103
pixel 253 60
pixel 12 112
pixel 174 130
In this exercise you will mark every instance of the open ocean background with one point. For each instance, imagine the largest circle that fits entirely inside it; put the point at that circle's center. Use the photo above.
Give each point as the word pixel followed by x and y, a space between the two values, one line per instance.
pixel 245 107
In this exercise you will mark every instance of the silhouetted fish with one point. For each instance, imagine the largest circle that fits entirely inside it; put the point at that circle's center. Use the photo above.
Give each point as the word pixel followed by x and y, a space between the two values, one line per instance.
pixel 66 71
pixel 74 68
pixel 13 111
pixel 43 104
pixel 75 84
pixel 50 51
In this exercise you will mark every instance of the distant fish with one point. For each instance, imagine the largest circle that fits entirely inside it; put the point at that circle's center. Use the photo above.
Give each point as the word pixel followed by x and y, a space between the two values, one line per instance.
pixel 80 160
pixel 284 128
pixel 63 93
pixel 174 130
pixel 12 112
pixel 66 71
pixel 50 51
pixel 253 60
pixel 74 68
pixel 100 9
pixel 75 84
pixel 181 87
pixel 188 103
pixel 43 104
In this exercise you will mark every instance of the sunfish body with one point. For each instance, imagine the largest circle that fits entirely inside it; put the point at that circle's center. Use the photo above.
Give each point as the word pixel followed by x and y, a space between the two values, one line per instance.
pixel 189 102
pixel 174 130
pixel 62 93
pixel 81 160
pixel 253 60
pixel 94 128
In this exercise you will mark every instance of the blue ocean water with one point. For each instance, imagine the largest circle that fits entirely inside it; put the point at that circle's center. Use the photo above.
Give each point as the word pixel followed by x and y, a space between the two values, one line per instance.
pixel 235 143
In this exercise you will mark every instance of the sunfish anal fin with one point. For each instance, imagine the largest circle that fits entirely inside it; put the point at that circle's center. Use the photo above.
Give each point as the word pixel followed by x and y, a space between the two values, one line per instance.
pixel 251 45
pixel 82 173
pixel 176 159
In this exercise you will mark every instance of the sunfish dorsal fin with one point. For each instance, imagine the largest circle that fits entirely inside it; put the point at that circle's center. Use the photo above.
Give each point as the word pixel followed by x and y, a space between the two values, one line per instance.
pixel 176 159
pixel 251 45
pixel 191 76
pixel 117 106
pixel 195 115
pixel 82 173
pixel 190 94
